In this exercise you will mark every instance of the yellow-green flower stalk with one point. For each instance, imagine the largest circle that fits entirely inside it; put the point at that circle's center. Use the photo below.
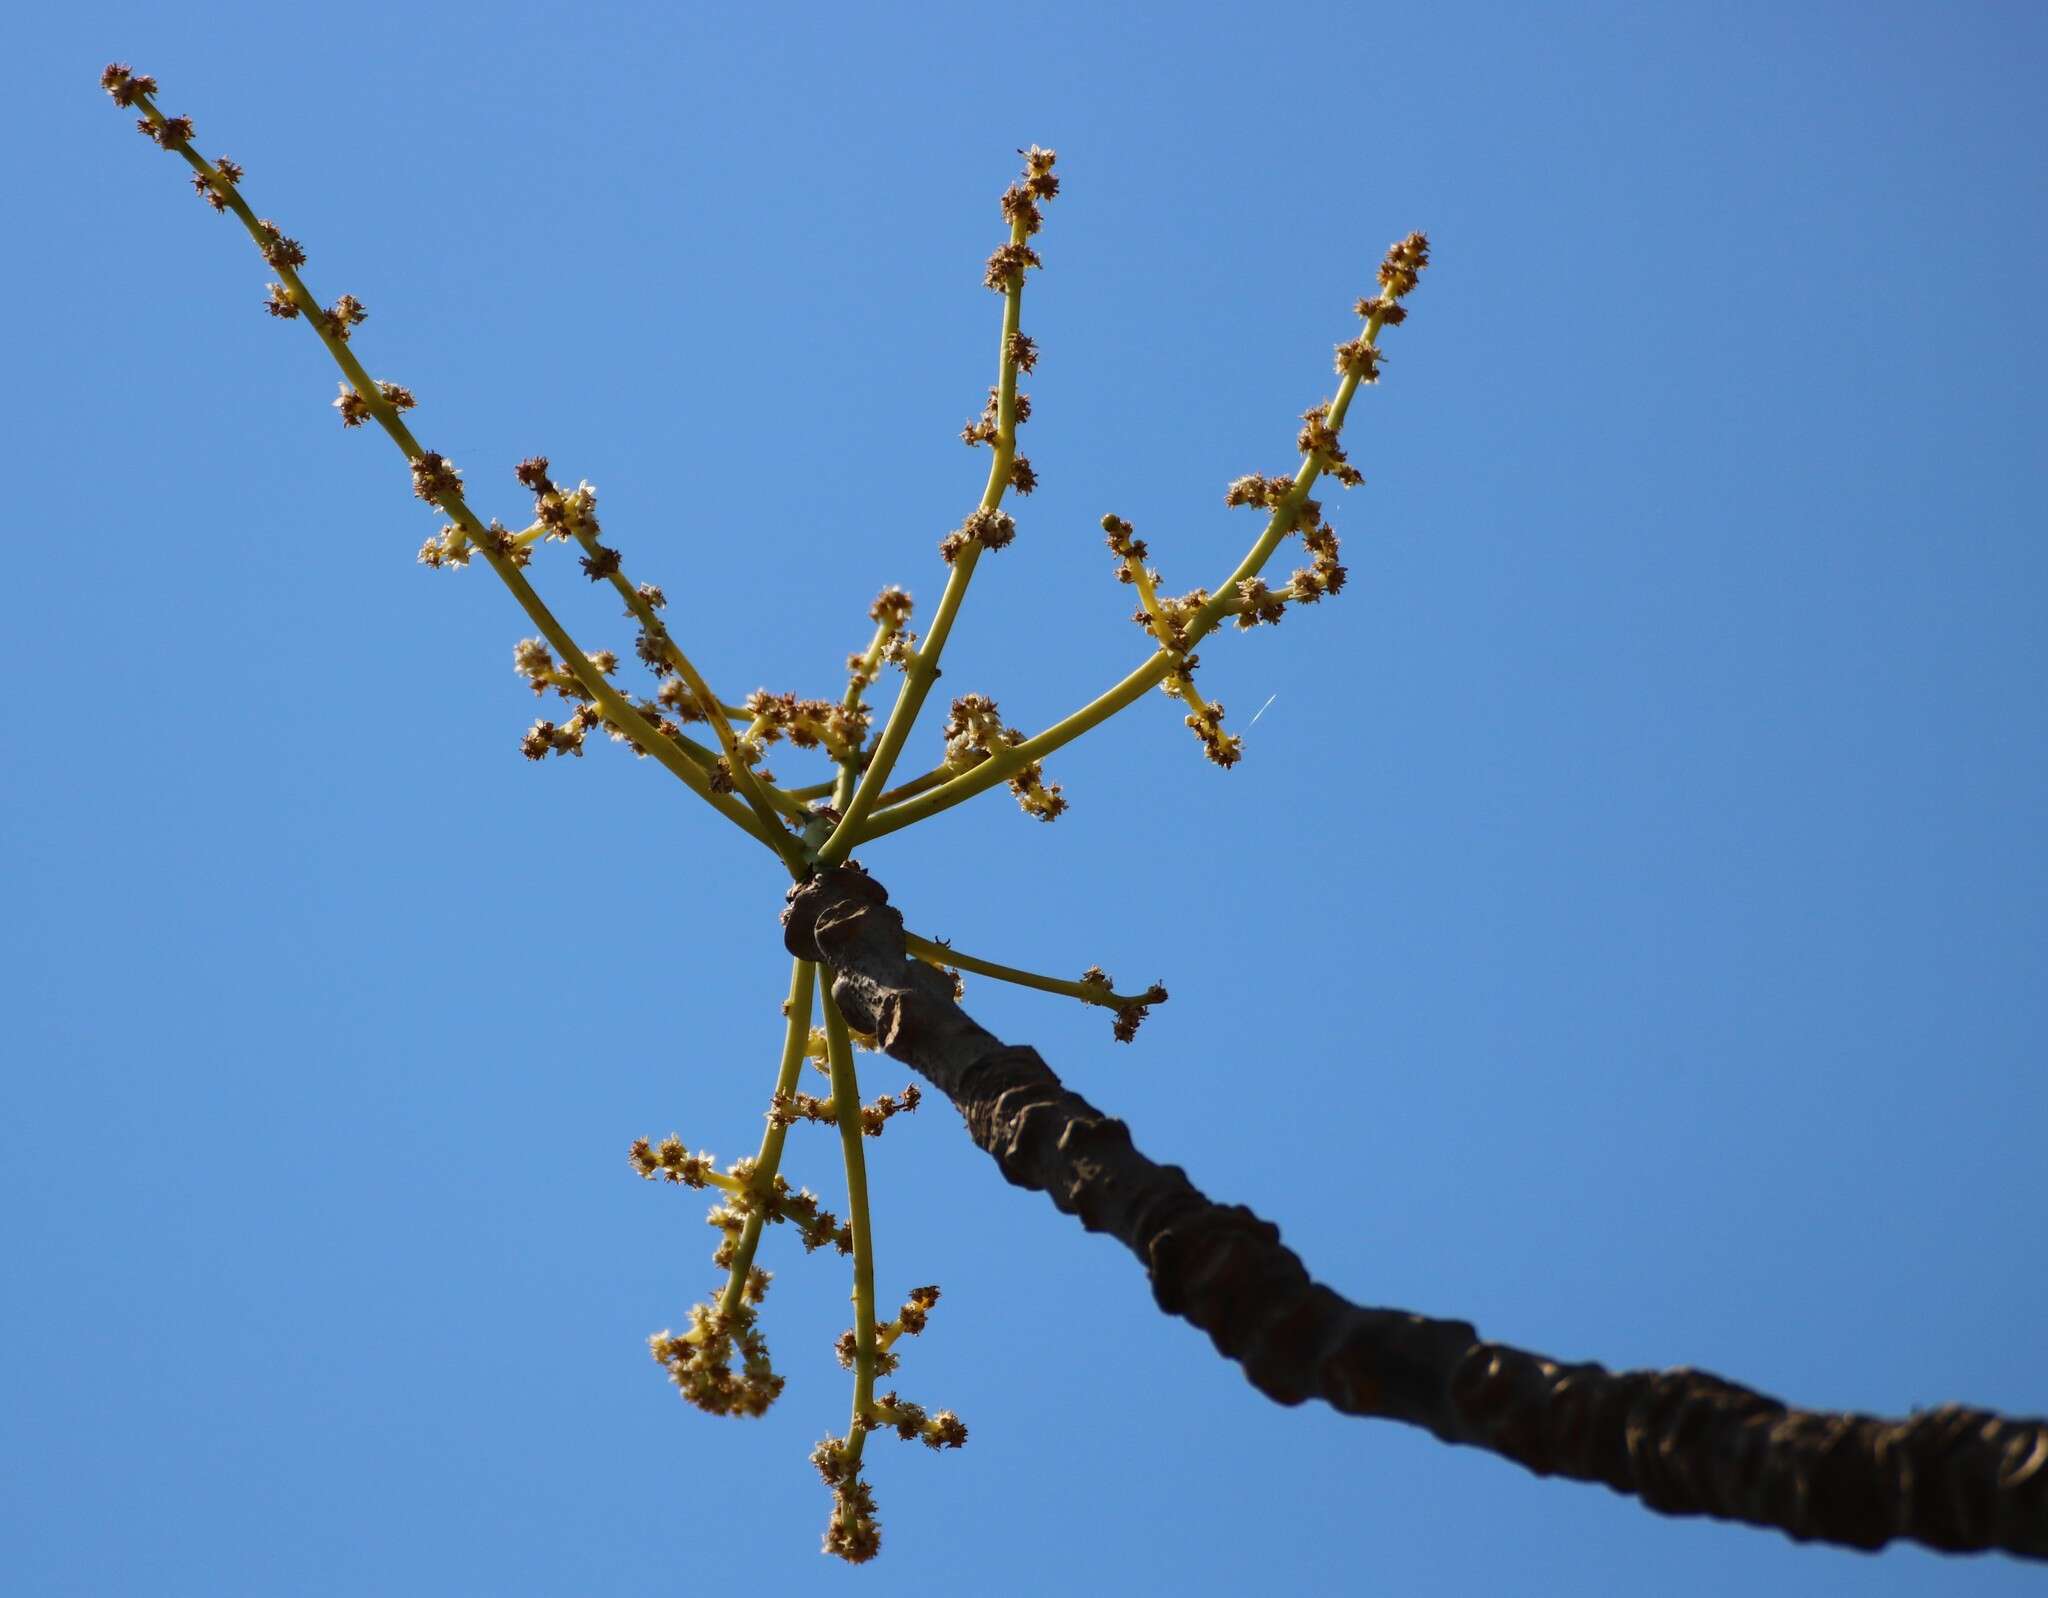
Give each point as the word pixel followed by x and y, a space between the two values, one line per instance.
pixel 989 527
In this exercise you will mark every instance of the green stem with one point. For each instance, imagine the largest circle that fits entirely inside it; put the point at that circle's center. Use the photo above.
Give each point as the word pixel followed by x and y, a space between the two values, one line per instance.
pixel 917 683
pixel 841 789
pixel 945 954
pixel 903 790
pixel 795 1035
pixel 923 670
pixel 1148 598
pixel 1281 522
pixel 915 786
pixel 846 1095
pixel 751 788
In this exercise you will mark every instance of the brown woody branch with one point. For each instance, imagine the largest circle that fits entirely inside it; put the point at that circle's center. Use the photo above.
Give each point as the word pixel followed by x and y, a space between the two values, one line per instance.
pixel 1683 1441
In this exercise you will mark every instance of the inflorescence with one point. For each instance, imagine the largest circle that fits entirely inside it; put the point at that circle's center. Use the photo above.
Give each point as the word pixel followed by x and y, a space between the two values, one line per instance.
pixel 720 1362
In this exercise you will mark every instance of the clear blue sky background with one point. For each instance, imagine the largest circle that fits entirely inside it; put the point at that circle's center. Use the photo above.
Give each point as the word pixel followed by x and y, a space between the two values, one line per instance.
pixel 1625 929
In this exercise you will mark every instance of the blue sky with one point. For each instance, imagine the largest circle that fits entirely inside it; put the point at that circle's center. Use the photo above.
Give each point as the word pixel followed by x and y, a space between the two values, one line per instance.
pixel 1618 932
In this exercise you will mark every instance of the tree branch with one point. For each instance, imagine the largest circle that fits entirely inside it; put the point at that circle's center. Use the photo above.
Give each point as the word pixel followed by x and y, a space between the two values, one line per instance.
pixel 1683 1441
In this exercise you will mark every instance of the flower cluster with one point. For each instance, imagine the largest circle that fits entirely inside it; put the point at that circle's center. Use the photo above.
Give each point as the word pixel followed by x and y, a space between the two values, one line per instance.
pixel 560 515
pixel 1131 552
pixel 355 409
pixel 217 185
pixel 561 738
pixel 699 1361
pixel 806 723
pixel 910 1320
pixel 1403 267
pixel 853 1533
pixel 1318 439
pixel 1022 200
pixel 671 1161
pixel 974 731
pixel 283 254
pixel 344 314
pixel 988 527
pixel 1255 602
pixel 434 477
pixel 816 1226
pixel 169 133
pixel 1204 717
pixel 533 660
pixel 910 1422
pixel 1023 354
pixel 449 547
pixel 126 87
pixel 892 642
pixel 1130 1012
pixel 1023 475
pixel 875 1116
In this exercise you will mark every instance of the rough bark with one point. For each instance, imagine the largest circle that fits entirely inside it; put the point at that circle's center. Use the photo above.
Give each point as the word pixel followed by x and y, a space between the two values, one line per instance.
pixel 1683 1441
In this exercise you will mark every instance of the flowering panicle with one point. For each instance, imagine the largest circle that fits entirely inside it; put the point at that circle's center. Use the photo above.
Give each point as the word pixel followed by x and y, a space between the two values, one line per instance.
pixel 853 1532
pixel 720 1361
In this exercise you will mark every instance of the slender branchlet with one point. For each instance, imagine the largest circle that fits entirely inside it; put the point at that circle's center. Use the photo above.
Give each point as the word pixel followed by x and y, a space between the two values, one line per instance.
pixel 849 727
pixel 435 479
pixel 988 527
pixel 853 1518
pixel 1092 987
